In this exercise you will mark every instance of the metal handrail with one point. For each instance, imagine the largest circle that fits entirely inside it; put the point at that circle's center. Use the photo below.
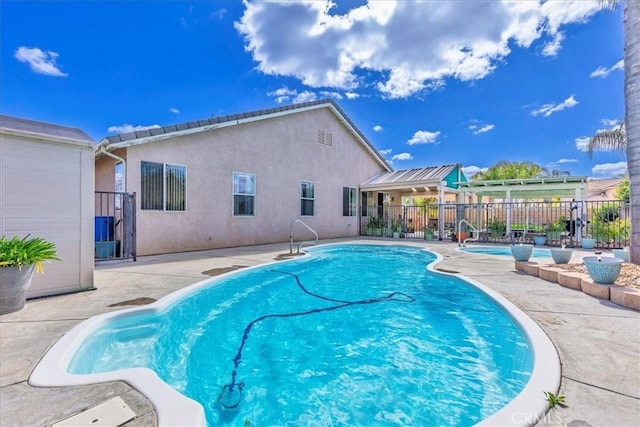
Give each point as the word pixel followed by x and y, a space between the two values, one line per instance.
pixel 302 241
pixel 474 230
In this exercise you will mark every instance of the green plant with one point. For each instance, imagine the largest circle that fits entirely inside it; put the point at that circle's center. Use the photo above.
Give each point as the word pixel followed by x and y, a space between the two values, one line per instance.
pixel 396 224
pixel 19 252
pixel 560 224
pixel 555 399
pixel 374 222
pixel 497 226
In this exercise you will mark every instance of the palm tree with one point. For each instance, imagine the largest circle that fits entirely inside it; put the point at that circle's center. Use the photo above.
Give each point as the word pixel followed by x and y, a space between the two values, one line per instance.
pixel 632 116
pixel 627 136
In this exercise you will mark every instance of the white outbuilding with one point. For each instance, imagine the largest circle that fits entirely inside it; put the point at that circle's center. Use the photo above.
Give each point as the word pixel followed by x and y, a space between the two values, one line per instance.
pixel 47 190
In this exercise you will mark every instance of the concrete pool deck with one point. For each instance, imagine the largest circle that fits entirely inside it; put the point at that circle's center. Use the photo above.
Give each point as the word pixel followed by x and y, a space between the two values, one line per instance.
pixel 598 341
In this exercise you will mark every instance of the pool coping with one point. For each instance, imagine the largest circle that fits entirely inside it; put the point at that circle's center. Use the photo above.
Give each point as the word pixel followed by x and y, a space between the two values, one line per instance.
pixel 173 408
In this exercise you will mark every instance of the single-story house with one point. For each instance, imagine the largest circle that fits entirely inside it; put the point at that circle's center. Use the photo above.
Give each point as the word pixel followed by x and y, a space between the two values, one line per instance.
pixel 46 190
pixel 242 179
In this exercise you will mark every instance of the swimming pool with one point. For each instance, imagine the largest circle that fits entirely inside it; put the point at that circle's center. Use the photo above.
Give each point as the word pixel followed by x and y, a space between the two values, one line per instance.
pixel 503 251
pixel 359 334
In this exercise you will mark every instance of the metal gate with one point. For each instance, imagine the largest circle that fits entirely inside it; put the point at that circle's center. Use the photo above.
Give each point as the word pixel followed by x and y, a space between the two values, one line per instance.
pixel 115 225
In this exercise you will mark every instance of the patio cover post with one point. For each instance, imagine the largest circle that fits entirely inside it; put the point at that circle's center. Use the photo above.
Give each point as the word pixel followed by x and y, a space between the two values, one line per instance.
pixel 441 186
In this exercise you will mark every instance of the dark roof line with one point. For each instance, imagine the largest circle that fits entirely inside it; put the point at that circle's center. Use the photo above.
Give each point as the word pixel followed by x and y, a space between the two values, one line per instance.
pixel 128 136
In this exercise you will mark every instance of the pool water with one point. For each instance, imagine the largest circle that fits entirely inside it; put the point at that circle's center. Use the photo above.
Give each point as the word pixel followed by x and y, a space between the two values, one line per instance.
pixel 350 335
pixel 504 251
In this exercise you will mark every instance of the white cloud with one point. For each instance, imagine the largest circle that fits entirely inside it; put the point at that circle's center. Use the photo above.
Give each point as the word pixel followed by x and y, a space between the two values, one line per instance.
pixel 351 95
pixel 385 40
pixel 470 171
pixel 424 137
pixel 553 47
pixel 610 169
pixel 385 151
pixel 548 109
pixel 218 14
pixel 125 128
pixel 557 164
pixel 604 71
pixel 284 94
pixel 612 123
pixel 329 94
pixel 480 129
pixel 582 143
pixel 377 128
pixel 305 96
pixel 402 156
pixel 174 110
pixel 41 62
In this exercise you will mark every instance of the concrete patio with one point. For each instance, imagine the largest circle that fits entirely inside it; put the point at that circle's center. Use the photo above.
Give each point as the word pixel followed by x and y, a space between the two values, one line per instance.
pixel 598 341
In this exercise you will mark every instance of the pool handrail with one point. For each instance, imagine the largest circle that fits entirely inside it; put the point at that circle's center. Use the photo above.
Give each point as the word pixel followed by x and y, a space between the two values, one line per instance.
pixel 302 241
pixel 474 229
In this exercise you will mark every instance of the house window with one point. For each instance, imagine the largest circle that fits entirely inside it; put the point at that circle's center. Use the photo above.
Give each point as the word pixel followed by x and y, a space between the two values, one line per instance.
pixel 244 194
pixel 365 196
pixel 307 198
pixel 349 201
pixel 163 186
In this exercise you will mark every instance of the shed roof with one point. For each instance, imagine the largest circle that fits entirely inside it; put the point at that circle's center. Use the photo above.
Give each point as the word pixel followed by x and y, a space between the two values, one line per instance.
pixel 129 139
pixel 17 125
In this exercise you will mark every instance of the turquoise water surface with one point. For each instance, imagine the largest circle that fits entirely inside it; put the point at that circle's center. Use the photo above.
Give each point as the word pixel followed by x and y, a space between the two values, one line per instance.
pixel 350 335
pixel 504 251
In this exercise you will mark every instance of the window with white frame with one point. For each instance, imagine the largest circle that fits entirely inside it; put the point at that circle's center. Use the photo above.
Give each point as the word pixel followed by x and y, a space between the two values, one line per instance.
pixel 307 198
pixel 244 194
pixel 349 201
pixel 163 186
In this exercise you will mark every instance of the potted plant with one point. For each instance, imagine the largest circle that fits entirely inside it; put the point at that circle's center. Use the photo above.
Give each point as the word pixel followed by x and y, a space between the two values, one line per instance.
pixel 18 258
pixel 497 227
pixel 372 225
pixel 555 229
pixel 539 239
pixel 396 227
pixel 429 233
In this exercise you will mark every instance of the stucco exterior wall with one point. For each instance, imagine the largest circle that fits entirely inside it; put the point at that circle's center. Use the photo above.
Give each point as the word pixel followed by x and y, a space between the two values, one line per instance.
pixel 281 152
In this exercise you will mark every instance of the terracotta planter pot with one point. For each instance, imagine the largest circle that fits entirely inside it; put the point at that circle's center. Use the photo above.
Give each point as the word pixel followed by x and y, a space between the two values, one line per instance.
pixel 14 284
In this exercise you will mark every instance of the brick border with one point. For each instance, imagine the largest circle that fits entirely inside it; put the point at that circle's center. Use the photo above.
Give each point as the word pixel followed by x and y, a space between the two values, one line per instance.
pixel 617 294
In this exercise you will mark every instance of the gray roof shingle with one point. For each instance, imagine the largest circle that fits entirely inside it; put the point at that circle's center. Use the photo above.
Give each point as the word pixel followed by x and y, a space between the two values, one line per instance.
pixel 42 128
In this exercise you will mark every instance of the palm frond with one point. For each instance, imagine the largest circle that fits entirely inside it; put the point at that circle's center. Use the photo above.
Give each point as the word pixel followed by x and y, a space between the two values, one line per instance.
pixel 608 140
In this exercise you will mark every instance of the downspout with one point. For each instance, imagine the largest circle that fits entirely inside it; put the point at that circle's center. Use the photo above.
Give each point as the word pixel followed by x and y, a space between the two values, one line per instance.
pixel 103 150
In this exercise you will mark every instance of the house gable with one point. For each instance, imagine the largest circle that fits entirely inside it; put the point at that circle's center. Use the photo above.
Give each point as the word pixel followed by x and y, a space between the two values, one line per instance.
pixel 169 132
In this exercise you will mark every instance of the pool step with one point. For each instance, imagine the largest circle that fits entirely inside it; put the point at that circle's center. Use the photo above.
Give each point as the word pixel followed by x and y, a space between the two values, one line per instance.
pixel 112 413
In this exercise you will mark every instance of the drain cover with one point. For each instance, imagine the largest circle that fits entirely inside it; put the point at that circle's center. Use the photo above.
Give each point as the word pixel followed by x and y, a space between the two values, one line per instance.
pixel 112 413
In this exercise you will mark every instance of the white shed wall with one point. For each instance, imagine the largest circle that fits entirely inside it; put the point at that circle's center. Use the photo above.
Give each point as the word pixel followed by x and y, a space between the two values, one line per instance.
pixel 46 190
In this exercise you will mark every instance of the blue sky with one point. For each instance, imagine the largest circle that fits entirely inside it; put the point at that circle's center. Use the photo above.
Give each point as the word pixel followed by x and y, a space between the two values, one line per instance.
pixel 429 83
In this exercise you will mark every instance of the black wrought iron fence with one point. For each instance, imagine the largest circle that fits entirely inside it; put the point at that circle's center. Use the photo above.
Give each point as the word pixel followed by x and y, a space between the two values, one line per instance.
pixel 115 225
pixel 605 224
